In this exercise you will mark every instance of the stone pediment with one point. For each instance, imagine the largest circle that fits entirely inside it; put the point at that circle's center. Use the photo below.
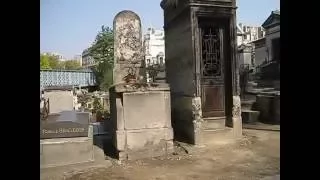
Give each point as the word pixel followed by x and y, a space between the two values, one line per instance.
pixel 175 3
pixel 272 20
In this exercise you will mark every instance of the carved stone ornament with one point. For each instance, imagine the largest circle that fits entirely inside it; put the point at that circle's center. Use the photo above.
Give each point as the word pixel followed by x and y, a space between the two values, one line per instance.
pixel 196 108
pixel 236 109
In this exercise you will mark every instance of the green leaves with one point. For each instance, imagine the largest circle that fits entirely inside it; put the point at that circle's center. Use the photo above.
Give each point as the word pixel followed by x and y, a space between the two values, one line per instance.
pixel 72 65
pixel 49 62
pixel 44 62
pixel 102 53
pixel 52 62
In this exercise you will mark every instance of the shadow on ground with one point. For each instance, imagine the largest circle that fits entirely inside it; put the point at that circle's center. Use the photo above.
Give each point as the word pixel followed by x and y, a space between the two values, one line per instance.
pixel 104 142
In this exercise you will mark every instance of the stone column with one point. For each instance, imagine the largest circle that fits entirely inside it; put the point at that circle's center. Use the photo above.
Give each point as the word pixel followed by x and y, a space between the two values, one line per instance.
pixel 236 105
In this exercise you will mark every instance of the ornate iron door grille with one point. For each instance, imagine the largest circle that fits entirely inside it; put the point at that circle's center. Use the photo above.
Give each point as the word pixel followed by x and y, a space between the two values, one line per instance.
pixel 212 69
pixel 212 63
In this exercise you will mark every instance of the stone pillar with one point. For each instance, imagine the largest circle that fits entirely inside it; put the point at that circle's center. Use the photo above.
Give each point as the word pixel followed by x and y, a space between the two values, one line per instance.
pixel 128 54
pixel 197 119
pixel 140 112
pixel 236 105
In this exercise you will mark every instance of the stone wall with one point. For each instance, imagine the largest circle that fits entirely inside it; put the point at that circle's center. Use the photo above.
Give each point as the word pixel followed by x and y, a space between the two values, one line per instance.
pixel 60 100
pixel 65 151
pixel 182 51
pixel 180 72
pixel 141 123
pixel 271 34
pixel 260 55
pixel 269 107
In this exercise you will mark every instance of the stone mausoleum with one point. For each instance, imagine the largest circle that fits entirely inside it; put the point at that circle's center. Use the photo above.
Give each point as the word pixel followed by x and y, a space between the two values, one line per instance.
pixel 202 68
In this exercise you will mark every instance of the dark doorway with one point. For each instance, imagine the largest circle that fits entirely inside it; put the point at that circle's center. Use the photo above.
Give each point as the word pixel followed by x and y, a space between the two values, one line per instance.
pixel 212 50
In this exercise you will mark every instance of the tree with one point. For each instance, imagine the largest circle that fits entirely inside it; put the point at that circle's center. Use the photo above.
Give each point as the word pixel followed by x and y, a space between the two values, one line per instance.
pixel 72 65
pixel 102 53
pixel 54 62
pixel 50 62
pixel 44 62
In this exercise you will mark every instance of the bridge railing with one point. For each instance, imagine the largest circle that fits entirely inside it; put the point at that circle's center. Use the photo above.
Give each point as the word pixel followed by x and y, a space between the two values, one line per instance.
pixel 82 78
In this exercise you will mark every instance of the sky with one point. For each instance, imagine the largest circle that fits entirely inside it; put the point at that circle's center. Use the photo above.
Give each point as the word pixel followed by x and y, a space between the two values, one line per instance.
pixel 68 27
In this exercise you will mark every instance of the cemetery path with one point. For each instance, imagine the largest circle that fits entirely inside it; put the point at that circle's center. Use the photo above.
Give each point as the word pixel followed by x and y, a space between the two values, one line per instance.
pixel 256 156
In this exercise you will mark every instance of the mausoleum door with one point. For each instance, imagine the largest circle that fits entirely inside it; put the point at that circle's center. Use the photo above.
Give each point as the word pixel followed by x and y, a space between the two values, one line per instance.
pixel 212 69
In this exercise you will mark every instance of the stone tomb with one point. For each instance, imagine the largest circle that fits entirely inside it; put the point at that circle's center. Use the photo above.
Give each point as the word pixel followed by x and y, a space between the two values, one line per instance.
pixel 202 68
pixel 140 112
pixel 66 138
pixel 60 98
pixel 65 124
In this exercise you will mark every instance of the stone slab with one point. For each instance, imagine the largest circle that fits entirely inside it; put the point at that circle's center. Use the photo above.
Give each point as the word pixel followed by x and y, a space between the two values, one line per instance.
pixel 276 109
pixel 65 124
pixel 146 110
pixel 59 100
pixel 264 106
pixel 128 54
pixel 140 139
pixel 214 123
pixel 65 151
pixel 160 149
pixel 249 116
pixel 120 140
pixel 140 87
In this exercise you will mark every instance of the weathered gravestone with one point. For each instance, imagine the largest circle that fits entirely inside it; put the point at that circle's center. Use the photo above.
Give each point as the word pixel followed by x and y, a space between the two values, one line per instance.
pixel 65 139
pixel 65 124
pixel 128 56
pixel 60 98
pixel 140 112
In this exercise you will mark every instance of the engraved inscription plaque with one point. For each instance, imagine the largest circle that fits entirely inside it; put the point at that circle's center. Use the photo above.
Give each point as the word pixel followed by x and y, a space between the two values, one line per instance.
pixel 64 125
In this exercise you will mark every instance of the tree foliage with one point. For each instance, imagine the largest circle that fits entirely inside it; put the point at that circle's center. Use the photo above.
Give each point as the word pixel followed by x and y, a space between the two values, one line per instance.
pixel 97 106
pixel 102 53
pixel 72 65
pixel 44 62
pixel 52 62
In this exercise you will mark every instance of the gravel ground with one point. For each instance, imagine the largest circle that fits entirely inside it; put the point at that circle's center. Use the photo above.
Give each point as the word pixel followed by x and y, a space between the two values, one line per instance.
pixel 256 156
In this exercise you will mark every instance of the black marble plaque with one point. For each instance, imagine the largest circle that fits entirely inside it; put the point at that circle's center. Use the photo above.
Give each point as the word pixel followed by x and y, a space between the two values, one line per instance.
pixel 64 125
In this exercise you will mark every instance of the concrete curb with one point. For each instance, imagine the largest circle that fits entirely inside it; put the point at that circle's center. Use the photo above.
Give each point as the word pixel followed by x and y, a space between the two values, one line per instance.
pixel 259 127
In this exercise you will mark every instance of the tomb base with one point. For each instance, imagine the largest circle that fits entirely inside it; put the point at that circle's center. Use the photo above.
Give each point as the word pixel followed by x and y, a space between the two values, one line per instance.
pixel 141 118
pixel 65 151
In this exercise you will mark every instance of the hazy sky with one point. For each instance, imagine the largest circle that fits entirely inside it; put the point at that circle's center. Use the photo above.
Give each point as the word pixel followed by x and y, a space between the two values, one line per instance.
pixel 70 26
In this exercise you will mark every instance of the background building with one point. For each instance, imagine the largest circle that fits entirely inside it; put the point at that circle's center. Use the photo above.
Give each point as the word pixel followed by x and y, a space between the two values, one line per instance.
pixel 87 60
pixel 272 27
pixel 267 49
pixel 78 58
pixel 247 34
pixel 246 38
pixel 59 56
pixel 154 46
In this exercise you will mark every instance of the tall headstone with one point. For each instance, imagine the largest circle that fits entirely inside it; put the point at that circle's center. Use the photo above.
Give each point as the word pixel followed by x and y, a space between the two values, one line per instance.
pixel 140 112
pixel 128 52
